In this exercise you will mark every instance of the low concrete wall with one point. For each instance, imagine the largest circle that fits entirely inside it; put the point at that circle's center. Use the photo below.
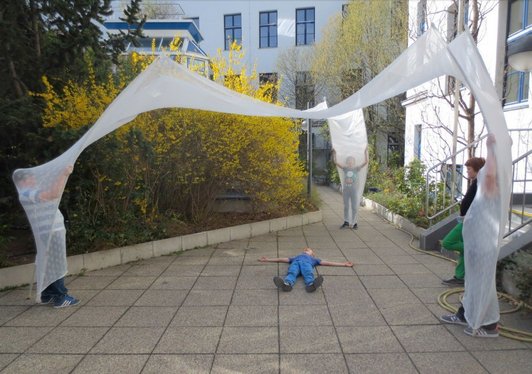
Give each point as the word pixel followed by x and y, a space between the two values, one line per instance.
pixel 396 219
pixel 23 274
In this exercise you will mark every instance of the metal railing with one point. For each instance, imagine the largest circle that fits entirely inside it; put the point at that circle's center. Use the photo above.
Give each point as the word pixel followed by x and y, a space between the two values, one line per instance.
pixel 520 167
pixel 438 175
pixel 438 189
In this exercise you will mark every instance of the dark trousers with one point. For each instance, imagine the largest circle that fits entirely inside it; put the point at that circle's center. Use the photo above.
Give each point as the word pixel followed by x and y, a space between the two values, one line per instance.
pixel 57 289
pixel 461 314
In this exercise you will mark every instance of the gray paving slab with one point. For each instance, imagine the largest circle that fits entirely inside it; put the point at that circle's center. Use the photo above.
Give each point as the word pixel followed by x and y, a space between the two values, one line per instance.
pixel 19 339
pixel 9 312
pixel 447 363
pixel 71 340
pixel 507 361
pixel 131 283
pixel 95 316
pixel 6 359
pixel 250 315
pixel 255 297
pixel 41 315
pixel 368 339
pixel 380 363
pixel 110 364
pixel 161 298
pixel 173 283
pixel 115 298
pixel 33 363
pixel 245 340
pixel 249 364
pixel 180 339
pixel 216 310
pixel 314 339
pixel 171 364
pixel 200 316
pixel 129 340
pixel 313 363
pixel 146 316
pixel 310 315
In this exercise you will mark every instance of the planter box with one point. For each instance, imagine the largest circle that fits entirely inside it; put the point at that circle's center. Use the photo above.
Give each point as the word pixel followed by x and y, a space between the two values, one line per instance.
pixel 23 274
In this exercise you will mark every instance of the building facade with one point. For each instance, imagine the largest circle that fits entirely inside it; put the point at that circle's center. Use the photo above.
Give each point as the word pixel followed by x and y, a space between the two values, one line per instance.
pixel 265 30
pixel 430 119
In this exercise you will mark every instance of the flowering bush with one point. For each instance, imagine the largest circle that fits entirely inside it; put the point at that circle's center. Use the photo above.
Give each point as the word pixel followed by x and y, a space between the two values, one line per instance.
pixel 172 162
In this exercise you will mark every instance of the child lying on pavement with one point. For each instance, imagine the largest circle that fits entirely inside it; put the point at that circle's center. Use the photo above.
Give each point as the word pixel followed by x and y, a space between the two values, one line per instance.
pixel 302 264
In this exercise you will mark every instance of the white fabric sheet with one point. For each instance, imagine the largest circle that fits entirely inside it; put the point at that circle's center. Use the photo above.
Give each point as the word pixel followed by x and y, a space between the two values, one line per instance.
pixel 166 84
pixel 349 139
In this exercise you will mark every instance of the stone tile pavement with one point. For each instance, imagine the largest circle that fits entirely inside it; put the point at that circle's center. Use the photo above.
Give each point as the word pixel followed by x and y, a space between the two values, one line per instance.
pixel 216 310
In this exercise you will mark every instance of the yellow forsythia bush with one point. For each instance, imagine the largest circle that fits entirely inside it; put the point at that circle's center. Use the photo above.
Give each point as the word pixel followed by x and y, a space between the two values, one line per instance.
pixel 179 160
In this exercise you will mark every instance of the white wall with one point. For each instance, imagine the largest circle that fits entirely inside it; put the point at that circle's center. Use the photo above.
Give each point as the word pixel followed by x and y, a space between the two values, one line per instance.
pixel 211 18
pixel 436 116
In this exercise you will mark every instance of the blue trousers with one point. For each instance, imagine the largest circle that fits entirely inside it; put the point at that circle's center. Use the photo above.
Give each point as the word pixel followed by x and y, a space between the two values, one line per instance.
pixel 300 267
pixel 56 289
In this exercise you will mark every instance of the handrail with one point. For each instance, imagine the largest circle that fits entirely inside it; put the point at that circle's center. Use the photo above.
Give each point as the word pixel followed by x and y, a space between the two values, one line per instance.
pixel 524 181
pixel 515 229
pixel 439 166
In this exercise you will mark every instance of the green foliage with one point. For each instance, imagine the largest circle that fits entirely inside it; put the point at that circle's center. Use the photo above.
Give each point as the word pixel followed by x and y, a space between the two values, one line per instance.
pixel 4 241
pixel 169 165
pixel 519 264
pixel 402 190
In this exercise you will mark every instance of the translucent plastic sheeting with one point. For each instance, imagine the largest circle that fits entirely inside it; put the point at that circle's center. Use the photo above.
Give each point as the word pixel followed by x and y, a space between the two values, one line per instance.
pixel 350 141
pixel 167 84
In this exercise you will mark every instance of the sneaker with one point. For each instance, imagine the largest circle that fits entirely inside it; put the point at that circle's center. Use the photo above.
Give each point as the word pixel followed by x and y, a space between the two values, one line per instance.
pixel 482 332
pixel 454 282
pixel 280 283
pixel 314 286
pixel 355 227
pixel 47 299
pixel 453 319
pixel 66 301
pixel 345 225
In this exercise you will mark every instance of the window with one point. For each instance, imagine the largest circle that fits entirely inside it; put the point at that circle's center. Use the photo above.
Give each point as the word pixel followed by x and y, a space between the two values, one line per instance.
pixel 421 17
pixel 268 29
pixel 232 29
pixel 447 176
pixel 195 20
pixel 345 9
pixel 452 20
pixel 516 83
pixel 304 90
pixel 394 149
pixel 305 26
pixel 516 86
pixel 520 15
pixel 265 78
pixel 417 141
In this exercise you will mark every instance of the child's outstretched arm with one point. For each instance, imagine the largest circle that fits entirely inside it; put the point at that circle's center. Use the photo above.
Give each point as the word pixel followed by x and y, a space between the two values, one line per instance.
pixel 330 263
pixel 282 259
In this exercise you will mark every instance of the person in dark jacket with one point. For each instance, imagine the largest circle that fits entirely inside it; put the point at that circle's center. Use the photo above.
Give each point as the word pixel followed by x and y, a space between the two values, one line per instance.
pixel 453 241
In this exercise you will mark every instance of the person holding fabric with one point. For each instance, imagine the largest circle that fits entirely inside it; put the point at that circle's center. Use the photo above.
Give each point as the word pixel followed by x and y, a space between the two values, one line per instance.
pixel 480 307
pixel 349 191
pixel 50 235
pixel 453 241
pixel 302 264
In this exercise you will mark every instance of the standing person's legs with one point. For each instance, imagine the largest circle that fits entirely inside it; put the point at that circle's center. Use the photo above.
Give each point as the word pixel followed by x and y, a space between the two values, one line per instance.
pixel 459 271
pixel 354 207
pixel 454 241
pixel 345 195
pixel 54 291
